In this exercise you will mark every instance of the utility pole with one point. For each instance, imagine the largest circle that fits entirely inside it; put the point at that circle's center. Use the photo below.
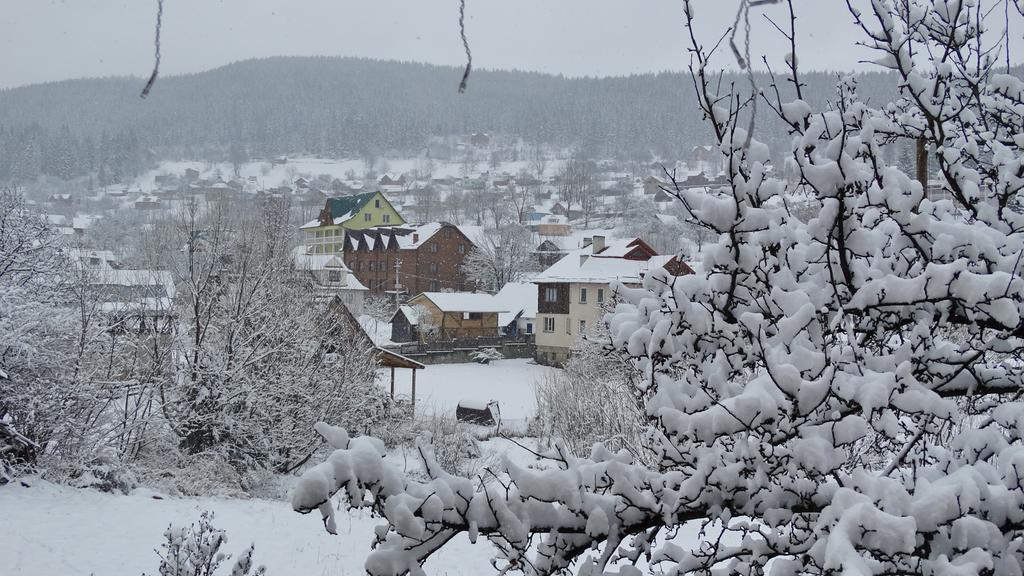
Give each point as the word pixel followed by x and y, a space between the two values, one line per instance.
pixel 398 285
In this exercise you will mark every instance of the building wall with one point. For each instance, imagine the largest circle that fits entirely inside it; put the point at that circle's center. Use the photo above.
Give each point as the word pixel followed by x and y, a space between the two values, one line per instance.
pixel 376 210
pixel 553 347
pixel 453 324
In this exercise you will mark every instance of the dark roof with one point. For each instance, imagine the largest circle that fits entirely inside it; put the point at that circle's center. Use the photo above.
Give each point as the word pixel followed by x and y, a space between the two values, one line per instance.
pixel 348 204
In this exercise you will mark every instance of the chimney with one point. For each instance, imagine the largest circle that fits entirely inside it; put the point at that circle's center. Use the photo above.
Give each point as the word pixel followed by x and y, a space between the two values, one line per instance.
pixel 587 241
pixel 583 258
pixel 598 244
pixel 415 237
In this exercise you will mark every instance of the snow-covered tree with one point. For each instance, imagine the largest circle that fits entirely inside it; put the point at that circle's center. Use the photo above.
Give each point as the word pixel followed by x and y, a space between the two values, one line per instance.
pixel 500 256
pixel 259 359
pixel 886 320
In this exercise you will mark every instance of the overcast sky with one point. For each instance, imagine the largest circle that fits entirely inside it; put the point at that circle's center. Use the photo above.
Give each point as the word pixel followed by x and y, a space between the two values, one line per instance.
pixel 45 40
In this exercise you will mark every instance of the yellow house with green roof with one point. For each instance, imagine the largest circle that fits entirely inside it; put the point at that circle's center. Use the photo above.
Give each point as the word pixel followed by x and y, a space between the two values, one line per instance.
pixel 326 234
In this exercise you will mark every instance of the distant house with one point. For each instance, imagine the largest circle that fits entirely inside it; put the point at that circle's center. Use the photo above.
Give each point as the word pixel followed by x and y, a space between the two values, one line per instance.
pixel 449 315
pixel 392 183
pixel 553 225
pixel 325 235
pixel 548 252
pixel 191 174
pixel 94 259
pixel 403 261
pixel 148 202
pixel 480 139
pixel 328 277
pixel 572 293
pixel 61 199
pixel 136 299
pixel 652 185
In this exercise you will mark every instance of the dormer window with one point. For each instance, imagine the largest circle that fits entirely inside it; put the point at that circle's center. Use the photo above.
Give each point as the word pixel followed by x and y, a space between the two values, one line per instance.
pixel 334 276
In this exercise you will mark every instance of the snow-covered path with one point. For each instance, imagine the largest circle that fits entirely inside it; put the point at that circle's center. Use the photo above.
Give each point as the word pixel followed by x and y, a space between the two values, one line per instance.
pixel 50 530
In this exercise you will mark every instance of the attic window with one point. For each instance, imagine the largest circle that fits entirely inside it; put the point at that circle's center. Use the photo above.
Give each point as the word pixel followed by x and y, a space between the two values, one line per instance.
pixel 376 203
pixel 334 275
pixel 387 218
pixel 367 216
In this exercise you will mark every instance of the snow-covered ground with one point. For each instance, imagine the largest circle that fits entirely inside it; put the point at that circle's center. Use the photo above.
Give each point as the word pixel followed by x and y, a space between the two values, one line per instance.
pixel 440 387
pixel 62 531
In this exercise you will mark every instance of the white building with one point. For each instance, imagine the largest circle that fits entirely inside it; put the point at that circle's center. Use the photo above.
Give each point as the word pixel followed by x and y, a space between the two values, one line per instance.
pixel 574 292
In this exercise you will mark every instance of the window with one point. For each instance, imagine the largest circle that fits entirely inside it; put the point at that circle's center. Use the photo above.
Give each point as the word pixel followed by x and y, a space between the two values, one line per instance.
pixel 433 267
pixel 348 297
pixel 583 295
pixel 334 276
pixel 462 248
pixel 367 216
pixel 433 247
pixel 435 285
pixel 583 326
pixel 568 325
pixel 549 324
pixel 373 265
pixel 529 327
pixel 359 266
pixel 600 295
pixel 376 203
pixel 387 218
pixel 447 232
pixel 551 294
pixel 472 315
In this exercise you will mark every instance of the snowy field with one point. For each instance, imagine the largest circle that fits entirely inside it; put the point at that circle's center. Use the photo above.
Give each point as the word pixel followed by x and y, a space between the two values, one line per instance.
pixel 440 387
pixel 65 531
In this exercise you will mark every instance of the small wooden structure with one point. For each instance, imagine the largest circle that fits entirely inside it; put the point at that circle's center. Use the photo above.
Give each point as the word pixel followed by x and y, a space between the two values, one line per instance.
pixel 385 358
pixel 392 360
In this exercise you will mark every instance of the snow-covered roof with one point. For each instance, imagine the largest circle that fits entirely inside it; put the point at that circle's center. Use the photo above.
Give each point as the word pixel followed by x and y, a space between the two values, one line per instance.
pixel 418 236
pixel 464 302
pixel 147 290
pixel 516 297
pixel 305 261
pixel 617 248
pixel 581 265
pixel 410 314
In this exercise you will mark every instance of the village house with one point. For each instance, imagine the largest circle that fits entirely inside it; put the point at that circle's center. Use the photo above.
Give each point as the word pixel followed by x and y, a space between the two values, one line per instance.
pixel 93 259
pixel 402 261
pixel 432 316
pixel 328 277
pixel 326 234
pixel 135 300
pixel 573 293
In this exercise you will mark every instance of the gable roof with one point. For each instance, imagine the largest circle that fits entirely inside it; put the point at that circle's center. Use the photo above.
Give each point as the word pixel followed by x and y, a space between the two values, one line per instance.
pixel 348 205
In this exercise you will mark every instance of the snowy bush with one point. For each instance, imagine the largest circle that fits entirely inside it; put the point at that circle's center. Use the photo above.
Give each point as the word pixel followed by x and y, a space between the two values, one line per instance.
pixel 486 355
pixel 17 453
pixel 888 316
pixel 195 551
pixel 593 399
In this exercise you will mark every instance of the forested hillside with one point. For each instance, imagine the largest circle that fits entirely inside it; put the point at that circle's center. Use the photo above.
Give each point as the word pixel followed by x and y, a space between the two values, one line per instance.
pixel 345 106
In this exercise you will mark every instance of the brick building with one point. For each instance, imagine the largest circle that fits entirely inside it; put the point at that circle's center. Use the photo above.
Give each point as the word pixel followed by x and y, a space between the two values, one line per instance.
pixel 429 258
